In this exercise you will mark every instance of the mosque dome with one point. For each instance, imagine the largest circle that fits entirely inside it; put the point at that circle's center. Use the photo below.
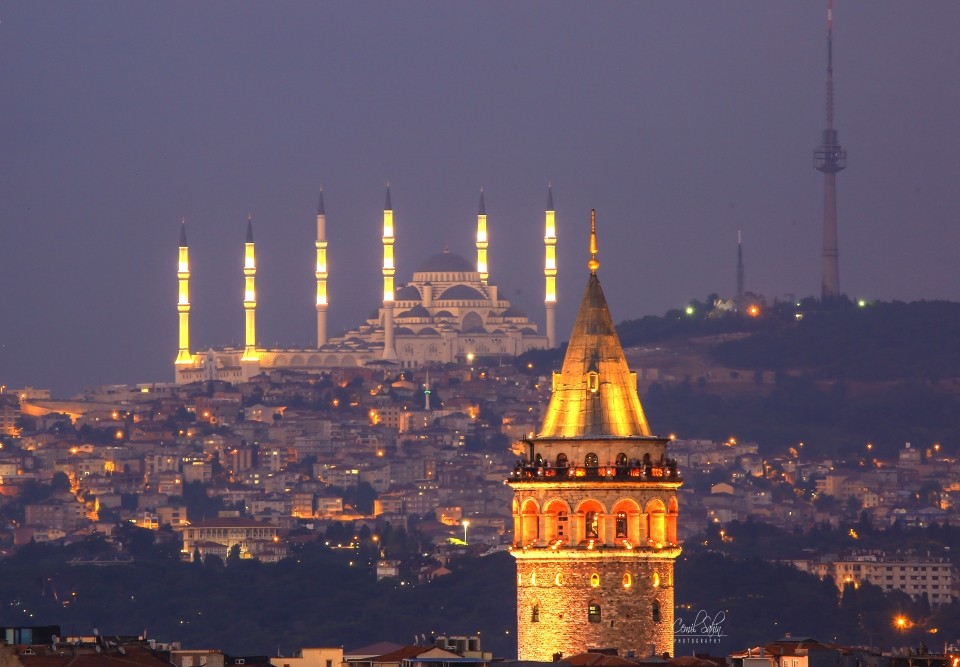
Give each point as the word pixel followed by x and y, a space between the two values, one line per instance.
pixel 462 293
pixel 416 311
pixel 513 311
pixel 408 293
pixel 446 262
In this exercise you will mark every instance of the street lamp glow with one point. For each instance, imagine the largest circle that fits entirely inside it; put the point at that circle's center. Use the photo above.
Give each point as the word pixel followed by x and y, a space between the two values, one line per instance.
pixel 466 524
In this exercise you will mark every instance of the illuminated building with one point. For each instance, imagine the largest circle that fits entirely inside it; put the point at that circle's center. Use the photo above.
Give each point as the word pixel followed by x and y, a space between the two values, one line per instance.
pixel 595 506
pixel 449 311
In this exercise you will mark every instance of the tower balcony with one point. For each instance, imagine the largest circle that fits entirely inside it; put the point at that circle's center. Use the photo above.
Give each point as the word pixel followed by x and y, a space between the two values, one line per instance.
pixel 830 158
pixel 537 471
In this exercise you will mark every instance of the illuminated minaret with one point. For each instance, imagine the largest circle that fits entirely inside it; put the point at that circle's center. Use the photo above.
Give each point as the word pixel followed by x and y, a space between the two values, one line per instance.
pixel 250 296
pixel 183 302
pixel 482 241
pixel 426 393
pixel 321 273
pixel 739 272
pixel 550 269
pixel 830 158
pixel 388 272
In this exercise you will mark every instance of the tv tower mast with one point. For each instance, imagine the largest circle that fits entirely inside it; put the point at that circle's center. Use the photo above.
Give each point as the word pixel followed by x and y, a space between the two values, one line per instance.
pixel 830 157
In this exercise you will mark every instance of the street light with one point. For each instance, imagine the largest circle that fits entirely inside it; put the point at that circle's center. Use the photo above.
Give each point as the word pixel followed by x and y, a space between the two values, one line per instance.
pixel 466 524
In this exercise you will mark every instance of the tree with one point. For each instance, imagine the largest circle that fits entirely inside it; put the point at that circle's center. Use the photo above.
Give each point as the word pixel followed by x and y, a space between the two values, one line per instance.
pixel 60 481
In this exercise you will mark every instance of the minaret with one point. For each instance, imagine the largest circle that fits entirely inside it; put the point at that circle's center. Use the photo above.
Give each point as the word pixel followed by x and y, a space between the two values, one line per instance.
pixel 595 506
pixel 426 393
pixel 250 296
pixel 830 158
pixel 184 358
pixel 482 241
pixel 550 269
pixel 388 272
pixel 739 272
pixel 321 244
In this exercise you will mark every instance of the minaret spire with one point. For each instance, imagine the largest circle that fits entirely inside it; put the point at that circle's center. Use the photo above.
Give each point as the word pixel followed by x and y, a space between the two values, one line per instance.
pixel 184 358
pixel 830 158
pixel 389 270
pixel 550 268
pixel 250 296
pixel 739 303
pixel 321 273
pixel 482 241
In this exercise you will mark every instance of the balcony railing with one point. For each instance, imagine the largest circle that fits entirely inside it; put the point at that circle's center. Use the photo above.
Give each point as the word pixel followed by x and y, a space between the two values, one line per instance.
pixel 643 472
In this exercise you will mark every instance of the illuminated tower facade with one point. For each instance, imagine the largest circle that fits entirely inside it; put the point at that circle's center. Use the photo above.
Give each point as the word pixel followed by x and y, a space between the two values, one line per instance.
pixel 482 241
pixel 389 269
pixel 250 297
pixel 595 506
pixel 830 158
pixel 321 244
pixel 184 358
pixel 550 269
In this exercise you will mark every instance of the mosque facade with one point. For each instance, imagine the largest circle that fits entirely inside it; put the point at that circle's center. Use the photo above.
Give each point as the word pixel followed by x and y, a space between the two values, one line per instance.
pixel 449 311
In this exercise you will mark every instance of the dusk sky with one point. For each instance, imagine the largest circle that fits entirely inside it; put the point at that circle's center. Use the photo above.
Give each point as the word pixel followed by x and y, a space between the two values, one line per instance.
pixel 680 122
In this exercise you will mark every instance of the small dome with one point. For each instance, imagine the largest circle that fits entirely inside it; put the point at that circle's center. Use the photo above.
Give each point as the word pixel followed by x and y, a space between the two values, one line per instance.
pixel 513 311
pixel 428 331
pixel 462 293
pixel 408 293
pixel 528 331
pixel 445 262
pixel 403 331
pixel 416 311
pixel 443 313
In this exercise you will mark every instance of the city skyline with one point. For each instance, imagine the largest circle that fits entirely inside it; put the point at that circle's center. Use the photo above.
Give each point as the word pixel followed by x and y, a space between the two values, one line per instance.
pixel 681 124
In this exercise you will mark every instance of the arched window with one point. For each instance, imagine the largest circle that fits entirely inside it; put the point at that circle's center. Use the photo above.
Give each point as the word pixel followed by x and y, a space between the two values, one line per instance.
pixel 593 381
pixel 533 578
pixel 558 580
pixel 591 460
pixel 593 612
pixel 655 609
pixel 562 460
pixel 627 580
pixel 591 525
pixel 622 524
pixel 621 459
pixel 594 580
pixel 656 580
pixel 535 614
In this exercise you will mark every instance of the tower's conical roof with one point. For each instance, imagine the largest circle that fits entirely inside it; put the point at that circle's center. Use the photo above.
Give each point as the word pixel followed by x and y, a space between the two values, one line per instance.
pixel 249 229
pixel 183 233
pixel 320 210
pixel 595 394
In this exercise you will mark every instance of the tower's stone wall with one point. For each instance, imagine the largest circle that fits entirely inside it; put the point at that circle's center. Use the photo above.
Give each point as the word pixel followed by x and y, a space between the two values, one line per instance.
pixel 554 598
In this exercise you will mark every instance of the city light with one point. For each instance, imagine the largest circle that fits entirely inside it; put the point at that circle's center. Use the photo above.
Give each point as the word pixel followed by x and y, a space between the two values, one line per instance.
pixel 466 524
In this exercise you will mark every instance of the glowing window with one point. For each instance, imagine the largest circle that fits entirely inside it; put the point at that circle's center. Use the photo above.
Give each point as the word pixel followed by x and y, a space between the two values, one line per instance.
pixel 595 580
pixel 627 580
pixel 533 578
pixel 593 612
pixel 591 460
pixel 593 381
pixel 558 580
pixel 656 580
pixel 592 525
pixel 535 614
pixel 621 524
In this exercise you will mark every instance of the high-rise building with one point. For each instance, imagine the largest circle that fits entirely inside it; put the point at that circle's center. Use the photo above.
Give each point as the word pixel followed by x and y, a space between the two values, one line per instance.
pixel 830 158
pixel 595 506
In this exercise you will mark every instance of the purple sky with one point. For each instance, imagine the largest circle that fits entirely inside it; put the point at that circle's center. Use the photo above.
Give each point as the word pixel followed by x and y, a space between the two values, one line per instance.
pixel 680 122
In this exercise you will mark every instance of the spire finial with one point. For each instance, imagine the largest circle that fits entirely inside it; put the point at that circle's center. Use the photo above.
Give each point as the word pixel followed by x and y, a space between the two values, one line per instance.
pixel 249 228
pixel 183 232
pixel 483 208
pixel 387 206
pixel 549 196
pixel 320 210
pixel 593 264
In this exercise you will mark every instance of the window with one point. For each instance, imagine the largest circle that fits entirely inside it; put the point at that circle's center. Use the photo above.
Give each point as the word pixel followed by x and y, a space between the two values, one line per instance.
pixel 621 524
pixel 656 580
pixel 627 580
pixel 655 609
pixel 593 381
pixel 593 612
pixel 594 580
pixel 558 580
pixel 591 460
pixel 561 523
pixel 535 614
pixel 592 525
pixel 562 460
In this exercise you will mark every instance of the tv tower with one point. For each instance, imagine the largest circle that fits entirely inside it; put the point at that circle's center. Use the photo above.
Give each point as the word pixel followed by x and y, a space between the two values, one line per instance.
pixel 830 157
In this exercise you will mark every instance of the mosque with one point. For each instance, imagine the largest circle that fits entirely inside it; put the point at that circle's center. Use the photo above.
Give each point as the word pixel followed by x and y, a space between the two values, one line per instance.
pixel 449 311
